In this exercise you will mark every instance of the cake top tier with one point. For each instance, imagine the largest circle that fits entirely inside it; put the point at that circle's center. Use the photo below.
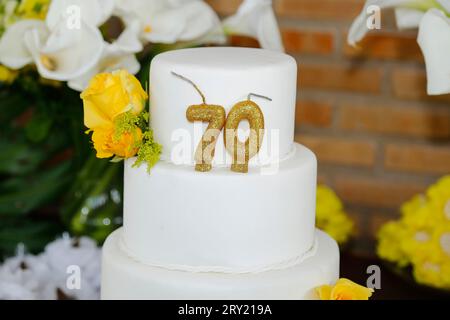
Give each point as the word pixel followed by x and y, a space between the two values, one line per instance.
pixel 225 58
pixel 225 76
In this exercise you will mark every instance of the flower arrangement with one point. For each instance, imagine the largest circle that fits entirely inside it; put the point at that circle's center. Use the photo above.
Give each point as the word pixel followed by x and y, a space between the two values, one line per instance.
pixel 114 111
pixel 71 40
pixel 330 215
pixel 344 289
pixel 421 237
pixel 432 18
pixel 49 52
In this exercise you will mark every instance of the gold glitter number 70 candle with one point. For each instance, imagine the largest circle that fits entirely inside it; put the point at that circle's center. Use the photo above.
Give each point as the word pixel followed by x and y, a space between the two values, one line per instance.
pixel 241 152
pixel 215 115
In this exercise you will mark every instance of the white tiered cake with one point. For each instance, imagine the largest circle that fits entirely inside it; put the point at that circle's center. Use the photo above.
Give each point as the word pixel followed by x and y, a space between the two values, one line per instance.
pixel 220 234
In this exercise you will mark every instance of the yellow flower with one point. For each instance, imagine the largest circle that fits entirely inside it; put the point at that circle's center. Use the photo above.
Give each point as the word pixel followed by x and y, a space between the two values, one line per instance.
pixel 109 95
pixel 7 75
pixel 344 289
pixel 107 144
pixel 390 237
pixel 330 215
pixel 421 238
pixel 439 198
pixel 33 9
pixel 432 271
pixel 112 103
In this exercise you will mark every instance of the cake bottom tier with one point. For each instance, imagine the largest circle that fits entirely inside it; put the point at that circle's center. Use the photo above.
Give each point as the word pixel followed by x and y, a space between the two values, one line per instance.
pixel 125 278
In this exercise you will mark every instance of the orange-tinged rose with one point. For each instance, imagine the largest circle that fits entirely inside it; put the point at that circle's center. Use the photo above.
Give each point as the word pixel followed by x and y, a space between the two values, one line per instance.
pixel 344 289
pixel 109 95
pixel 108 145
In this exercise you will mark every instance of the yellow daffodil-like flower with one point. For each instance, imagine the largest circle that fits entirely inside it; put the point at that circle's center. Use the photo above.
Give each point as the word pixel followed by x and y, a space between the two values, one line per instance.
pixel 432 269
pixel 112 103
pixel 439 197
pixel 330 215
pixel 421 238
pixel 344 289
pixel 33 9
pixel 389 243
pixel 7 75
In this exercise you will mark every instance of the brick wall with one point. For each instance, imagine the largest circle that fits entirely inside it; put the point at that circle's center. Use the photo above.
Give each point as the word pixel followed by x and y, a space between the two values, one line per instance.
pixel 364 112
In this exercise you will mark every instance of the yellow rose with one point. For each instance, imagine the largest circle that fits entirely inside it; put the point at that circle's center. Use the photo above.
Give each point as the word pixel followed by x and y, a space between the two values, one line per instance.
pixel 344 289
pixel 7 75
pixel 109 95
pixel 108 145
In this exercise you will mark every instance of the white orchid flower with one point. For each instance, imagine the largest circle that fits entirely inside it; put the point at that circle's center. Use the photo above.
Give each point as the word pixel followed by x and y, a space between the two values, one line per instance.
pixel 434 40
pixel 120 54
pixel 92 12
pixel 66 53
pixel 13 51
pixel 408 14
pixel 172 20
pixel 255 18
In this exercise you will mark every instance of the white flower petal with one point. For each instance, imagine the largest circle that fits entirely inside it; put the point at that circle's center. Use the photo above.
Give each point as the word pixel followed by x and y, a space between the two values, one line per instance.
pixel 111 60
pixel 255 18
pixel 359 27
pixel 445 4
pixel 128 40
pixel 408 18
pixel 200 19
pixel 67 53
pixel 92 12
pixel 13 52
pixel 172 20
pixel 434 40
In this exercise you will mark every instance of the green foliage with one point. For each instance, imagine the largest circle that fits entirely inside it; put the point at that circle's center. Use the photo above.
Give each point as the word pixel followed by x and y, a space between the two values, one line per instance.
pixel 41 150
pixel 50 180
pixel 149 151
pixel 34 234
pixel 93 204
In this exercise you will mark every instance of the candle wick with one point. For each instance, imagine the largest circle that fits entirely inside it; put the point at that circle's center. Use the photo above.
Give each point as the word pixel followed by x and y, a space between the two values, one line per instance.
pixel 192 83
pixel 250 95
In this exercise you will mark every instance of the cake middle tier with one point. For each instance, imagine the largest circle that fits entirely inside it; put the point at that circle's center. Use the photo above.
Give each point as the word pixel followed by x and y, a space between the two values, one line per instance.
pixel 220 220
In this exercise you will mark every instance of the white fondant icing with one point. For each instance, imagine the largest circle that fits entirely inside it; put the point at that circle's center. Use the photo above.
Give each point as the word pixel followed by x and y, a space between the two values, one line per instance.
pixel 220 219
pixel 125 278
pixel 276 266
pixel 225 76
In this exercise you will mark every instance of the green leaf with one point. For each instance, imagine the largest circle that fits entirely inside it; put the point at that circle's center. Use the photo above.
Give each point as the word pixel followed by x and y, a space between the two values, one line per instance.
pixel 19 158
pixel 34 191
pixel 38 128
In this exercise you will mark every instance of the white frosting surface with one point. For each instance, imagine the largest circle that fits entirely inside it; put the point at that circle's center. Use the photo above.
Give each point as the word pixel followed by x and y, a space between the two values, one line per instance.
pixel 220 220
pixel 225 76
pixel 125 278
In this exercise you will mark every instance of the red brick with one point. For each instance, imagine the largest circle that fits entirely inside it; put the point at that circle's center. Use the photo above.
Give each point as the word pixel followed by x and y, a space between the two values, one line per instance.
pixel 338 10
pixel 315 113
pixel 308 41
pixel 339 77
pixel 418 122
pixel 224 7
pixel 411 83
pixel 418 158
pixel 398 45
pixel 340 151
pixel 375 191
pixel 243 41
